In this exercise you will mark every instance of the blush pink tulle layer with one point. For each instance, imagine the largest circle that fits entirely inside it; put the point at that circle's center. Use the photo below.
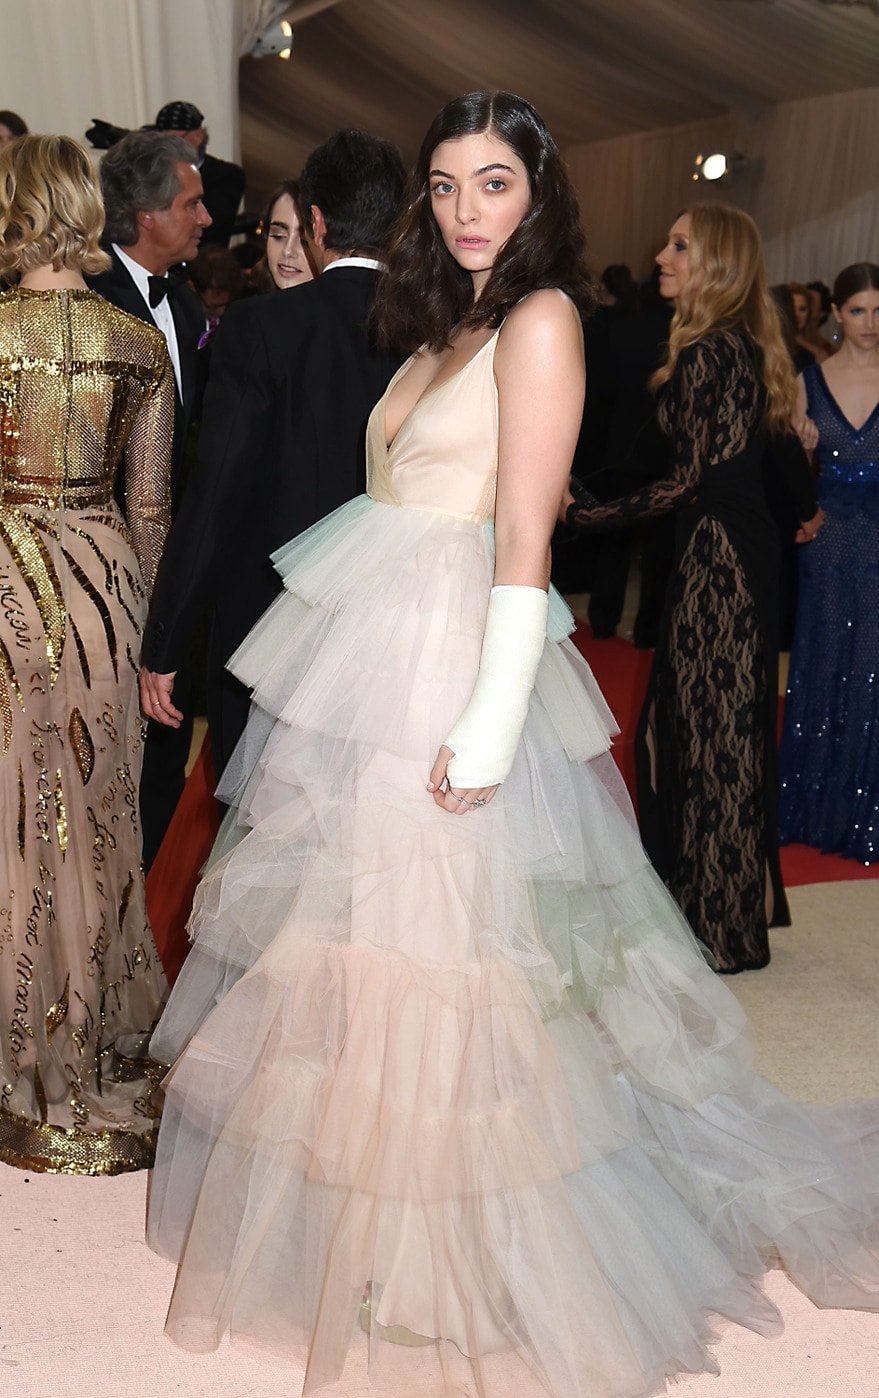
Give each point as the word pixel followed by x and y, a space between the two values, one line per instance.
pixel 477 1064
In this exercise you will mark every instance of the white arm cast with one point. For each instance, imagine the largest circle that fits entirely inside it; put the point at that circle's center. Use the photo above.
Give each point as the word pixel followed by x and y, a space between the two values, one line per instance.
pixel 485 737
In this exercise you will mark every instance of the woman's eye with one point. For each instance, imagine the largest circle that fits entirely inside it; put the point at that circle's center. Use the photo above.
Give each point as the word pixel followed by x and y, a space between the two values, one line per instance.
pixel 441 187
pixel 495 184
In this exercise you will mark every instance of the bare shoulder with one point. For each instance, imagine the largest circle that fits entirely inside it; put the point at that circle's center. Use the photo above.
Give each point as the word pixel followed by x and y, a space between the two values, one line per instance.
pixel 546 323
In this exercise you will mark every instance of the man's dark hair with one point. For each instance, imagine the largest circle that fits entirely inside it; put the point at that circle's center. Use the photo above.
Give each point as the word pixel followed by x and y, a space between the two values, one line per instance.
pixel 139 175
pixel 357 181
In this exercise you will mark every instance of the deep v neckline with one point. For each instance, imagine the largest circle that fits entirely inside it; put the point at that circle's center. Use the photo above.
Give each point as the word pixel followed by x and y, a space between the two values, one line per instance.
pixel 431 388
pixel 857 432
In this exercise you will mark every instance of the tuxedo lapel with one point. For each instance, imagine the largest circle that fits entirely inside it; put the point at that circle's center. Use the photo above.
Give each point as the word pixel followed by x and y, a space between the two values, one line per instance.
pixel 119 286
pixel 189 324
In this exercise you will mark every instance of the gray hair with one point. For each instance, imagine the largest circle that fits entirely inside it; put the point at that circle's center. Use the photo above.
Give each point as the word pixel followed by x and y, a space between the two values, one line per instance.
pixel 139 175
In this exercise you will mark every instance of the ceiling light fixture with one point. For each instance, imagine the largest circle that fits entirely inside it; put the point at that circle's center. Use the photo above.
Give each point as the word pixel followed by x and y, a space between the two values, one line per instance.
pixel 717 166
pixel 275 42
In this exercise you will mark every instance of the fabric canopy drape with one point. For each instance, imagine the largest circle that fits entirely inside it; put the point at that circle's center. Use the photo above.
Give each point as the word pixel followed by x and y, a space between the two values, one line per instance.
pixel 811 181
pixel 256 16
pixel 65 63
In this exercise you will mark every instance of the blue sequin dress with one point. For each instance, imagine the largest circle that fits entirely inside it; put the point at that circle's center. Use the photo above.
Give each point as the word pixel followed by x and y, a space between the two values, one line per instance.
pixel 830 744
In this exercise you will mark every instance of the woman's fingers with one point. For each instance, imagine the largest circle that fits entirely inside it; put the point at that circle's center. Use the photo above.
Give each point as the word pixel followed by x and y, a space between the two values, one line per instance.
pixel 438 770
pixel 463 801
pixel 457 800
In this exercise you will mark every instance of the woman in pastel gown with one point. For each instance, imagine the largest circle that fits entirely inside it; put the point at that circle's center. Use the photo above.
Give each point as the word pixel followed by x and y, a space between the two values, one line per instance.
pixel 81 383
pixel 706 753
pixel 830 743
pixel 444 1040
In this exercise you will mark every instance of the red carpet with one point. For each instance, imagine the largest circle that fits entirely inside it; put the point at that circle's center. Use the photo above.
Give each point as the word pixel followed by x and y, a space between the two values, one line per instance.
pixel 172 879
pixel 622 671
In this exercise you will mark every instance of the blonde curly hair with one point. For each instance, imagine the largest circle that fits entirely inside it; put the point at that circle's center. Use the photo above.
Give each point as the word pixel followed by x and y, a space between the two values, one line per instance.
pixel 51 211
pixel 727 289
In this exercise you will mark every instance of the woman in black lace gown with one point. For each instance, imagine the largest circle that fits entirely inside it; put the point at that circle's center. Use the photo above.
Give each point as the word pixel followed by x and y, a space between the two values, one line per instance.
pixel 707 737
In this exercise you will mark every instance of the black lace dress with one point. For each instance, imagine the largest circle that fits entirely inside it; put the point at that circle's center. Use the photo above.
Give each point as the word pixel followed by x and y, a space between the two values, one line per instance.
pixel 707 761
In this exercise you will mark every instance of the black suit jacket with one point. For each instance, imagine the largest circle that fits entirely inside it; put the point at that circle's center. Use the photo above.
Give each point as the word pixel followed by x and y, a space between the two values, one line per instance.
pixel 223 185
pixel 294 376
pixel 118 286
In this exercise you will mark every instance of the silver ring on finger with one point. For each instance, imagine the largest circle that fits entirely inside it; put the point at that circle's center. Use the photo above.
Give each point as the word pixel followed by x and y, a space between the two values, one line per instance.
pixel 480 801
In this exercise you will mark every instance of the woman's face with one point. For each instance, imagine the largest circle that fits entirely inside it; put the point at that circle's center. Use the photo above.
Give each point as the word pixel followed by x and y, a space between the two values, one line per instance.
pixel 285 253
pixel 859 318
pixel 479 194
pixel 801 310
pixel 816 306
pixel 674 260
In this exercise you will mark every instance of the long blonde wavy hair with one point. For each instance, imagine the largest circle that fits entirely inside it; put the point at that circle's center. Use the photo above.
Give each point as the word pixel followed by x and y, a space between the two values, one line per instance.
pixel 727 289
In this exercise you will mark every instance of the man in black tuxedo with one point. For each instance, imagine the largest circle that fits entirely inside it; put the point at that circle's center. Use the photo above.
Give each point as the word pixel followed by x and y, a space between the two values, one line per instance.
pixel 222 180
pixel 293 378
pixel 155 219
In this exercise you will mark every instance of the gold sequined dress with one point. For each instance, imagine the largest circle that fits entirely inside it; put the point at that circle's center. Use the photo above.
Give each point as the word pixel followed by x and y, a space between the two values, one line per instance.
pixel 80 982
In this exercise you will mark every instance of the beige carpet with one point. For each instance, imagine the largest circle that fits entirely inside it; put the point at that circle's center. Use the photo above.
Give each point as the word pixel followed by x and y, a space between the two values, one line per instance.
pixel 82 1300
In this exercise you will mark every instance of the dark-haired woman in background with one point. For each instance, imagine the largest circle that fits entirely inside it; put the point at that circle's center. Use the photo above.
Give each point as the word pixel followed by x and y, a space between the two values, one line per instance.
pixel 80 383
pixel 286 263
pixel 789 304
pixel 11 127
pixel 708 774
pixel 808 335
pixel 446 1038
pixel 830 744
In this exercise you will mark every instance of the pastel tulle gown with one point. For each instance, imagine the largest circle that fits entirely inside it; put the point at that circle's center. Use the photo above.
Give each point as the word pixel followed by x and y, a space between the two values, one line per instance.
pixel 477 1062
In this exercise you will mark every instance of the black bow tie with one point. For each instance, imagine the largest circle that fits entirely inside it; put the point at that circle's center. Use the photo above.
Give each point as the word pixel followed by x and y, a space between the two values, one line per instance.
pixel 160 287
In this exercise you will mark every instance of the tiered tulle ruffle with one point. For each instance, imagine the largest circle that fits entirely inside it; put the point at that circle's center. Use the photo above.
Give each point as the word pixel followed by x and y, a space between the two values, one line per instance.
pixel 479 1063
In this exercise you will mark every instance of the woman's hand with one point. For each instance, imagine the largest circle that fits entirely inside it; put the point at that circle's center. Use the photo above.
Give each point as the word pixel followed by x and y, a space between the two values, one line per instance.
pixel 567 502
pixel 809 528
pixel 459 801
pixel 807 432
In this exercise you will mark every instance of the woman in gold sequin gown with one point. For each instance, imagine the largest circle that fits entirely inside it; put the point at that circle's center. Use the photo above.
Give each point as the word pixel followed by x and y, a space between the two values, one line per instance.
pixel 81 384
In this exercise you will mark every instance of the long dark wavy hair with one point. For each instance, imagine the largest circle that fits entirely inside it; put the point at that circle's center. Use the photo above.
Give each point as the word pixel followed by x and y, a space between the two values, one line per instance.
pixel 860 276
pixel 426 296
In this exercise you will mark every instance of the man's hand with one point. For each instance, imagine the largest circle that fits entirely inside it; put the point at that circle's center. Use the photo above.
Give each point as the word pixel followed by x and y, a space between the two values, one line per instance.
pixel 155 697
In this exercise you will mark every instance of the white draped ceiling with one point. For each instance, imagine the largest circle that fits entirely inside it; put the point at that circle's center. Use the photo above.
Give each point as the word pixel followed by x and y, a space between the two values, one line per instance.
pixel 64 62
pixel 632 89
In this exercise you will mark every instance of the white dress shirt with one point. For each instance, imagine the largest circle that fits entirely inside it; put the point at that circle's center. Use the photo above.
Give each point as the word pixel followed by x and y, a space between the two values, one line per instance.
pixel 161 314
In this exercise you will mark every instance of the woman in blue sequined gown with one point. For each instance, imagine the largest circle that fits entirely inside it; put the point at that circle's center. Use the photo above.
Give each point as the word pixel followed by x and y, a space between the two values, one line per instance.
pixel 830 745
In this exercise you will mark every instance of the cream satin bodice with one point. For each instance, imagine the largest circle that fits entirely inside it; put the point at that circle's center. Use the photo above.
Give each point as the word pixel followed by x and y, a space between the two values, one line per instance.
pixel 444 456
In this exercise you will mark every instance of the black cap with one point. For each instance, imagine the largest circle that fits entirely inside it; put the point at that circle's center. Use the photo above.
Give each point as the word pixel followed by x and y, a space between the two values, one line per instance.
pixel 179 116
